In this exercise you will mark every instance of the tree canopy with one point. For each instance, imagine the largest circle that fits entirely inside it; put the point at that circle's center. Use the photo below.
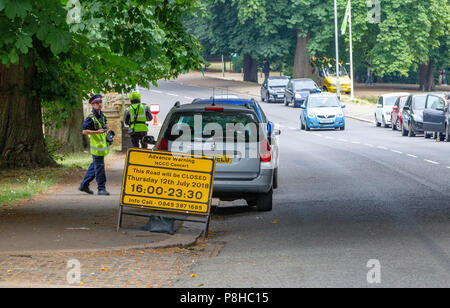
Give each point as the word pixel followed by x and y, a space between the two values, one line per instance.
pixel 113 45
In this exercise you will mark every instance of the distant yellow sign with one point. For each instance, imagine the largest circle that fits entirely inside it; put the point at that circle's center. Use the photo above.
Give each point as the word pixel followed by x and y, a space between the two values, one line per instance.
pixel 168 181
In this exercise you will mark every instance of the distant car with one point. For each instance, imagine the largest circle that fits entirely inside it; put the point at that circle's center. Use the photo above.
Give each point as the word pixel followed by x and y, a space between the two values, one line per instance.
pixel 224 96
pixel 436 116
pixel 327 75
pixel 322 111
pixel 273 88
pixel 384 108
pixel 298 90
pixel 397 112
pixel 239 175
pixel 412 115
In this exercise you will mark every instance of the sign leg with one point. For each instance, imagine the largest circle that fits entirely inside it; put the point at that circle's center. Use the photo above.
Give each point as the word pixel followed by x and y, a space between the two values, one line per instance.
pixel 119 218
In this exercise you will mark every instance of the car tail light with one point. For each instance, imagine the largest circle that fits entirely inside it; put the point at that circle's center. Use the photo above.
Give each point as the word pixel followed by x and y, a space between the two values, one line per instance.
pixel 214 108
pixel 163 145
pixel 264 149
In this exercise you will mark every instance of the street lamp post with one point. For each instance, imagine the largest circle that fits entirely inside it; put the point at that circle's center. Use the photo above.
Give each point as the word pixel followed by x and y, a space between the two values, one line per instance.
pixel 338 88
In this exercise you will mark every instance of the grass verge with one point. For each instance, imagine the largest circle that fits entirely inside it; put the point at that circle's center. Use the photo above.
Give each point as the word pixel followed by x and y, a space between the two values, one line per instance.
pixel 19 184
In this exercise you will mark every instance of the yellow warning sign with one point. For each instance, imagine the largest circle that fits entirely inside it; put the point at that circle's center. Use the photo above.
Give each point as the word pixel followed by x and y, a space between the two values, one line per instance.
pixel 168 181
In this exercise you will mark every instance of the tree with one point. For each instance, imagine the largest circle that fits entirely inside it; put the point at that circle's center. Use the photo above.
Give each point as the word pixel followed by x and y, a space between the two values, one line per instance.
pixel 116 45
pixel 251 28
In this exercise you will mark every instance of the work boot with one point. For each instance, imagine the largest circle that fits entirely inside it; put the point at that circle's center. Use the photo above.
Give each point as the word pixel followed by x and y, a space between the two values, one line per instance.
pixel 103 193
pixel 86 190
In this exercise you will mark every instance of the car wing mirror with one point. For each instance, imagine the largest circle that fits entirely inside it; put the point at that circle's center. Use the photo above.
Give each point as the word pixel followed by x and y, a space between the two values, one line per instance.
pixel 343 106
pixel 440 108
pixel 277 132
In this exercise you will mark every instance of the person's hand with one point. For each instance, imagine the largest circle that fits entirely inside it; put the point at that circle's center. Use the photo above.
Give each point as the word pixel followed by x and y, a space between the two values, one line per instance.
pixel 104 130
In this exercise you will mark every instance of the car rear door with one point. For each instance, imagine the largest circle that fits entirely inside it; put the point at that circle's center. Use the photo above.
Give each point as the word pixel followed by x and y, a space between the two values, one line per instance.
pixel 433 119
pixel 230 136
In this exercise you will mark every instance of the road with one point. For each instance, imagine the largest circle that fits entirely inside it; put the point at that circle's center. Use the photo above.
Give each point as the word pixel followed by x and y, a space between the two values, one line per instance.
pixel 345 197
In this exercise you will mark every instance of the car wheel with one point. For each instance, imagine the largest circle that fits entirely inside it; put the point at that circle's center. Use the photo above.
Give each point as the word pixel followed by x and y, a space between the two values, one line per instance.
pixel 262 98
pixel 404 131
pixel 385 125
pixel 302 126
pixel 275 178
pixel 325 89
pixel 376 121
pixel 394 127
pixel 398 126
pixel 306 126
pixel 343 127
pixel 264 202
pixel 285 101
pixel 426 135
pixel 447 134
pixel 411 130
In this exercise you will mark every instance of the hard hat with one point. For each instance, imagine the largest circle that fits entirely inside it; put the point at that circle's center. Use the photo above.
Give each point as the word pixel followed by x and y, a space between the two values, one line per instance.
pixel 135 96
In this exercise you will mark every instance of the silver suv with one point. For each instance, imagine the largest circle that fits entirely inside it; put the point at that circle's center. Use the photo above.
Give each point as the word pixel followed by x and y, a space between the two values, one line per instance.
pixel 247 158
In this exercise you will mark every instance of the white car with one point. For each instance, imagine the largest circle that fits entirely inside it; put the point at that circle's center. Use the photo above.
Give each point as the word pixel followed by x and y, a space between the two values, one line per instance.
pixel 384 107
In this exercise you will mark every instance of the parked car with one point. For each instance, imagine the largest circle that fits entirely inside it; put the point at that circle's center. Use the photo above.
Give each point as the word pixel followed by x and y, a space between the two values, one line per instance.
pixel 412 115
pixel 322 111
pixel 384 108
pixel 396 113
pixel 298 90
pixel 273 89
pixel 238 175
pixel 436 116
pixel 327 75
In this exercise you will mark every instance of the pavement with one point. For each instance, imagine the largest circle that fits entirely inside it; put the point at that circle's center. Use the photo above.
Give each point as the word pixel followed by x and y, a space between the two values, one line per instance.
pixel 41 235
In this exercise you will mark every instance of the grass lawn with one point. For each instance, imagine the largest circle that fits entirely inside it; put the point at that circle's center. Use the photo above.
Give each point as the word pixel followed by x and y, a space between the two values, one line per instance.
pixel 19 184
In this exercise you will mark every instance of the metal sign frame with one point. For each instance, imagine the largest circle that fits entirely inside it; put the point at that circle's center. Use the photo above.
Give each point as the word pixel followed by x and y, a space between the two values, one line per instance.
pixel 177 214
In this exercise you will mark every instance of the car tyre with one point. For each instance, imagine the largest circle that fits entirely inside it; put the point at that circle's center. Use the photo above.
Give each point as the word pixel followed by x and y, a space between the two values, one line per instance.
pixel 302 126
pixel 398 126
pixel 275 178
pixel 404 131
pixel 411 130
pixel 394 127
pixel 285 101
pixel 306 126
pixel 264 202
pixel 385 125
pixel 343 127
pixel 376 122
pixel 426 135
pixel 447 134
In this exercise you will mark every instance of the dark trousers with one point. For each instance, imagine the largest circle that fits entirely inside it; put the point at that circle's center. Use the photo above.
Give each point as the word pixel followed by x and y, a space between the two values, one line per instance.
pixel 136 138
pixel 96 171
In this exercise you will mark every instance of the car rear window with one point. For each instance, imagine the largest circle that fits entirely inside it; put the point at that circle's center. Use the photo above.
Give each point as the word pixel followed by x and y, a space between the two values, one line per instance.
pixel 224 125
pixel 278 82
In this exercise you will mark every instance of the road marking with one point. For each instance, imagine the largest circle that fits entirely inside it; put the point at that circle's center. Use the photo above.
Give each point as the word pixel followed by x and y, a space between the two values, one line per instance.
pixel 382 147
pixel 398 152
pixel 330 138
pixel 344 140
pixel 356 142
pixel 156 91
pixel 318 135
pixel 188 97
pixel 432 162
pixel 413 156
pixel 171 94
pixel 369 145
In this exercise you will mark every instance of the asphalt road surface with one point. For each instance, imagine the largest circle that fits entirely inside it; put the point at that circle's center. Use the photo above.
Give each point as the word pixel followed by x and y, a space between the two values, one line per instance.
pixel 344 198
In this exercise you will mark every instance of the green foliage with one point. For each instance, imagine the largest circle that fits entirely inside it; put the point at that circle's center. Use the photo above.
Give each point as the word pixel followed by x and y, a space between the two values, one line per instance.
pixel 117 45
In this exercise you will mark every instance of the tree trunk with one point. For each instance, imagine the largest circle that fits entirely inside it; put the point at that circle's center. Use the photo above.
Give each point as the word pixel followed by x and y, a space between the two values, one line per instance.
pixel 426 77
pixel 21 137
pixel 302 64
pixel 69 135
pixel 250 69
